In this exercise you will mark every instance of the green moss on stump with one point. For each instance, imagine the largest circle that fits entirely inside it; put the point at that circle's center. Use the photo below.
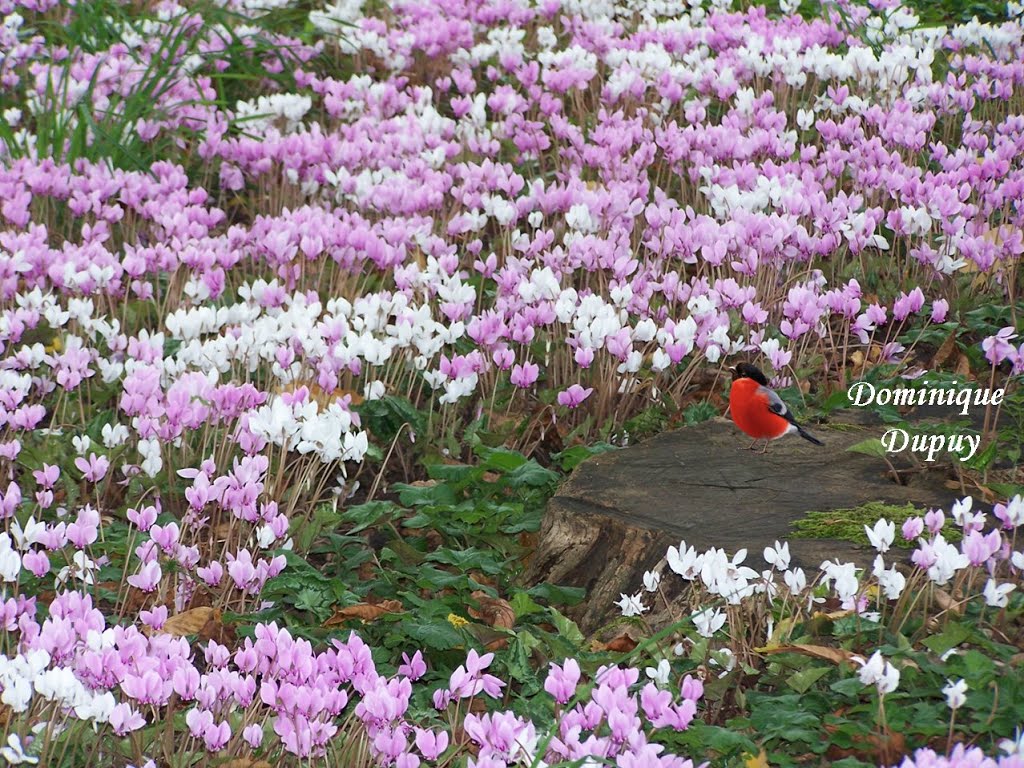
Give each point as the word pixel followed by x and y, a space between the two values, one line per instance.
pixel 848 524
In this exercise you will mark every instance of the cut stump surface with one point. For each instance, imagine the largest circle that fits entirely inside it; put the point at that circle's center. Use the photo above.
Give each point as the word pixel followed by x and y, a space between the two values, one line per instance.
pixel 616 516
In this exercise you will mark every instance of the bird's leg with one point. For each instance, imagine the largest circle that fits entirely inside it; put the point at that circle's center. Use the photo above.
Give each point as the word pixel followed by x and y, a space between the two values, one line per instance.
pixel 751 446
pixel 765 449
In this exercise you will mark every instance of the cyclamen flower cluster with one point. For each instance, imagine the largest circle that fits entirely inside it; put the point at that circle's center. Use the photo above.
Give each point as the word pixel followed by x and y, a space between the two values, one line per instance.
pixel 995 553
pixel 961 757
pixel 114 675
pixel 625 277
pixel 593 197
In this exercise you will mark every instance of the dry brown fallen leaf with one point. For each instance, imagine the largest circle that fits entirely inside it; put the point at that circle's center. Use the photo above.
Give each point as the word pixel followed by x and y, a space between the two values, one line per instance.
pixel 963 366
pixel 944 352
pixel 246 762
pixel 493 611
pixel 885 749
pixel 320 396
pixel 947 602
pixel 190 622
pixel 364 612
pixel 621 644
pixel 824 652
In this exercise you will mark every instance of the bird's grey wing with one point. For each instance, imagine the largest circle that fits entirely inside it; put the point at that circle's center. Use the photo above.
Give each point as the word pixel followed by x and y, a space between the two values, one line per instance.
pixel 776 404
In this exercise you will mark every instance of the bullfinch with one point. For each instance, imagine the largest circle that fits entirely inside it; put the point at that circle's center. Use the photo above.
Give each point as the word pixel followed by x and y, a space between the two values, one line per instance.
pixel 758 411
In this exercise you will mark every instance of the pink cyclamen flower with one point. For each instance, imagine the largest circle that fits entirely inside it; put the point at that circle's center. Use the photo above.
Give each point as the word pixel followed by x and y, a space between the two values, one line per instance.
pixel 574 395
pixel 998 348
pixel 442 698
pixel 148 577
pixel 154 618
pixel 413 668
pixel 37 563
pixel 198 720
pixel 124 719
pixel 216 736
pixel 1010 514
pixel 562 681
pixel 253 735
pixel 10 500
pixel 431 743
pixel 503 358
pixel 94 468
pixel 46 476
pixel 912 528
pixel 524 374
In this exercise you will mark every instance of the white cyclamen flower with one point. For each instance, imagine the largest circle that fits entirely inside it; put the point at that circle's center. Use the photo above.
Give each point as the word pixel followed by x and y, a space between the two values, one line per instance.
pixel 631 605
pixel 660 673
pixel 956 693
pixel 997 595
pixel 708 621
pixel 881 535
pixel 879 672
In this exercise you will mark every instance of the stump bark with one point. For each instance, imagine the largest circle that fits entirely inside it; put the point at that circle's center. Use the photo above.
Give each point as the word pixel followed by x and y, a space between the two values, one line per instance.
pixel 619 512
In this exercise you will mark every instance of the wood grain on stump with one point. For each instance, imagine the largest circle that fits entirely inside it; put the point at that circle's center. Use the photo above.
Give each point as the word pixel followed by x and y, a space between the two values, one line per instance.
pixel 619 512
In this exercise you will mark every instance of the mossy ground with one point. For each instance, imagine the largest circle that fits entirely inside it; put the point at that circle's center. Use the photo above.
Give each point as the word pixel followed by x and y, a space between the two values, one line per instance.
pixel 848 524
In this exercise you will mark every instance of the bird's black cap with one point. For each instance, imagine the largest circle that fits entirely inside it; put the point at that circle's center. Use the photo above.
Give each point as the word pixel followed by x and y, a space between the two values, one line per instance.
pixel 748 371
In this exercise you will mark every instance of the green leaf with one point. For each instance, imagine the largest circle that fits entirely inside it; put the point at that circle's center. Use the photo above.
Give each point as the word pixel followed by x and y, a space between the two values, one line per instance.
pixel 455 473
pixel 802 681
pixel 981 461
pixel 978 667
pixel 386 416
pixel 325 517
pixel 851 762
pixel 873 446
pixel 406 554
pixel 1007 490
pixel 850 686
pixel 94 429
pixel 526 521
pixel 428 577
pixel 467 559
pixel 416 495
pixel 419 520
pixel 518 662
pixel 952 636
pixel 532 474
pixel 500 459
pixel 785 717
pixel 567 628
pixel 836 401
pixel 367 514
pixel 724 741
pixel 572 457
pixel 699 412
pixel 438 634
pixel 316 601
pixel 557 595
pixel 524 605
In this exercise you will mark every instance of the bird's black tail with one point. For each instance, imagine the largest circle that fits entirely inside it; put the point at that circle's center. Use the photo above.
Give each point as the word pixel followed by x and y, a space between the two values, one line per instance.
pixel 808 436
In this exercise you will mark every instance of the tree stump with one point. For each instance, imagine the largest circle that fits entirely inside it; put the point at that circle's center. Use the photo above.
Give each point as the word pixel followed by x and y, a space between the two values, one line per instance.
pixel 618 513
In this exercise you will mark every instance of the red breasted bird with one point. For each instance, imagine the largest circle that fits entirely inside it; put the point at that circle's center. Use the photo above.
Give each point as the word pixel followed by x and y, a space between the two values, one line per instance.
pixel 758 411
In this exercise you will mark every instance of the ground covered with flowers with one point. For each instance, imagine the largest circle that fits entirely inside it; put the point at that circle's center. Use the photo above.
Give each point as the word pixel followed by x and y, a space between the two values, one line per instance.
pixel 305 310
